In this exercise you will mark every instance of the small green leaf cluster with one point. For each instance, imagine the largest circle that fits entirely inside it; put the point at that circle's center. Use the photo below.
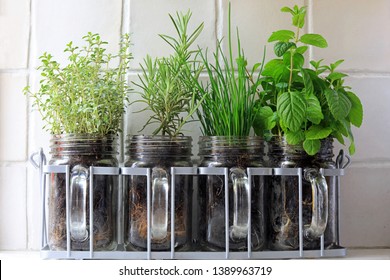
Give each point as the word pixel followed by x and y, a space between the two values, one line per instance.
pixel 167 83
pixel 305 104
pixel 85 96
pixel 228 107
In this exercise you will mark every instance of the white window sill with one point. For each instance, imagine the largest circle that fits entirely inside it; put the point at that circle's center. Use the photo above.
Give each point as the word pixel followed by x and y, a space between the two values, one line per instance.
pixel 352 254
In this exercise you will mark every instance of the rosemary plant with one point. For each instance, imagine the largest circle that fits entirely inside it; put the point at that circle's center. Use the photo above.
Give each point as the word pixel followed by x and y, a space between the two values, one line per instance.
pixel 168 83
pixel 85 96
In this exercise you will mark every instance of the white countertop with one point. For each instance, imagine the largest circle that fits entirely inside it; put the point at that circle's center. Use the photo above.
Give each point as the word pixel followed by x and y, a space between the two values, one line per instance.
pixel 352 254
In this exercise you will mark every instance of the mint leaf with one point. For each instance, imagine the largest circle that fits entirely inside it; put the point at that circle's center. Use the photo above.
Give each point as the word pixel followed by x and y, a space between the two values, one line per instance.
pixel 280 48
pixel 299 19
pixel 295 138
pixel 314 40
pixel 313 111
pixel 298 60
pixel 333 66
pixel 281 35
pixel 307 81
pixel 317 132
pixel 291 108
pixel 336 76
pixel 302 49
pixel 274 68
pixel 264 120
pixel 338 136
pixel 287 10
pixel 356 113
pixel 338 103
pixel 311 147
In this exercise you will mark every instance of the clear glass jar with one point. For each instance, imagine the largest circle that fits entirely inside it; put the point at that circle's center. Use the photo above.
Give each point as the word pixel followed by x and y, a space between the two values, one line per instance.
pixel 237 154
pixel 159 153
pixel 283 194
pixel 80 151
pixel 324 159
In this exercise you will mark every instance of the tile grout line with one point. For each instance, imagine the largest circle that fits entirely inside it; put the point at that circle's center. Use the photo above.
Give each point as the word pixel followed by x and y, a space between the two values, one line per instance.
pixel 310 25
pixel 125 28
pixel 27 139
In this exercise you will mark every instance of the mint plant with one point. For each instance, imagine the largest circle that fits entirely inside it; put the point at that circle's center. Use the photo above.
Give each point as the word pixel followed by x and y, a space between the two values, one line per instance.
pixel 85 96
pixel 304 104
pixel 168 83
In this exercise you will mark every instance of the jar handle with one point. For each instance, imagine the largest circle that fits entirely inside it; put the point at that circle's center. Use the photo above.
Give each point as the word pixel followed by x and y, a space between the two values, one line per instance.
pixel 78 203
pixel 240 203
pixel 159 215
pixel 319 204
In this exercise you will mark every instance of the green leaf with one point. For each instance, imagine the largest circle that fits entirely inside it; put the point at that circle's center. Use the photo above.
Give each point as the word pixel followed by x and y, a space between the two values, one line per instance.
pixel 333 66
pixel 274 68
pixel 291 108
pixel 295 138
pixel 264 120
pixel 280 48
pixel 356 113
pixel 302 49
pixel 336 76
pixel 314 111
pixel 317 132
pixel 299 19
pixel 338 136
pixel 352 147
pixel 338 103
pixel 311 146
pixel 307 82
pixel 287 10
pixel 281 35
pixel 314 40
pixel 298 60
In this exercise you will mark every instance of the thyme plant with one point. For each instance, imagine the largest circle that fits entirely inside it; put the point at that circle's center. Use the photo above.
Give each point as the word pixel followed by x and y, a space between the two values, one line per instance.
pixel 167 83
pixel 305 104
pixel 86 95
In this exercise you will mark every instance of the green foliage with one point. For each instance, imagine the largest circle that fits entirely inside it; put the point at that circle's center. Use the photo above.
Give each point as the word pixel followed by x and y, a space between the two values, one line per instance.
pixel 228 107
pixel 85 96
pixel 305 105
pixel 168 83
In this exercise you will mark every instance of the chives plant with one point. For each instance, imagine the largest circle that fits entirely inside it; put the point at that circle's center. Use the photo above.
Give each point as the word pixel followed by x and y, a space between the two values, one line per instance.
pixel 230 96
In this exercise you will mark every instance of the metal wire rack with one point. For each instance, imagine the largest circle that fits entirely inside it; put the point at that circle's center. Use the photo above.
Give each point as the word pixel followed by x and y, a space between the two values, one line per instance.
pixel 39 161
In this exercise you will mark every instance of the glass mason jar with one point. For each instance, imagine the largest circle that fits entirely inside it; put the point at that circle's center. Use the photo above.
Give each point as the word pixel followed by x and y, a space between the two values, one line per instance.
pixel 237 154
pixel 283 194
pixel 159 153
pixel 80 151
pixel 324 159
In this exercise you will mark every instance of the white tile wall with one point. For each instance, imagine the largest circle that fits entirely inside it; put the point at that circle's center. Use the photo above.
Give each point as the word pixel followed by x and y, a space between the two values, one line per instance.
pixel 14 34
pixel 13 117
pixel 56 23
pixel 365 200
pixel 256 20
pixel 355 29
pixel 13 226
pixel 150 18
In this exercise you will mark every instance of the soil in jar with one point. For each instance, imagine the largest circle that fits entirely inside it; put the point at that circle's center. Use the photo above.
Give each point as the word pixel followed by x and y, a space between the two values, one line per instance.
pixel 104 205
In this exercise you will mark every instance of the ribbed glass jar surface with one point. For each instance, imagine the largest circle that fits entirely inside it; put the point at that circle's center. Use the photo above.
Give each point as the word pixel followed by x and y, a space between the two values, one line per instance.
pixel 80 151
pixel 324 159
pixel 237 154
pixel 283 195
pixel 159 153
